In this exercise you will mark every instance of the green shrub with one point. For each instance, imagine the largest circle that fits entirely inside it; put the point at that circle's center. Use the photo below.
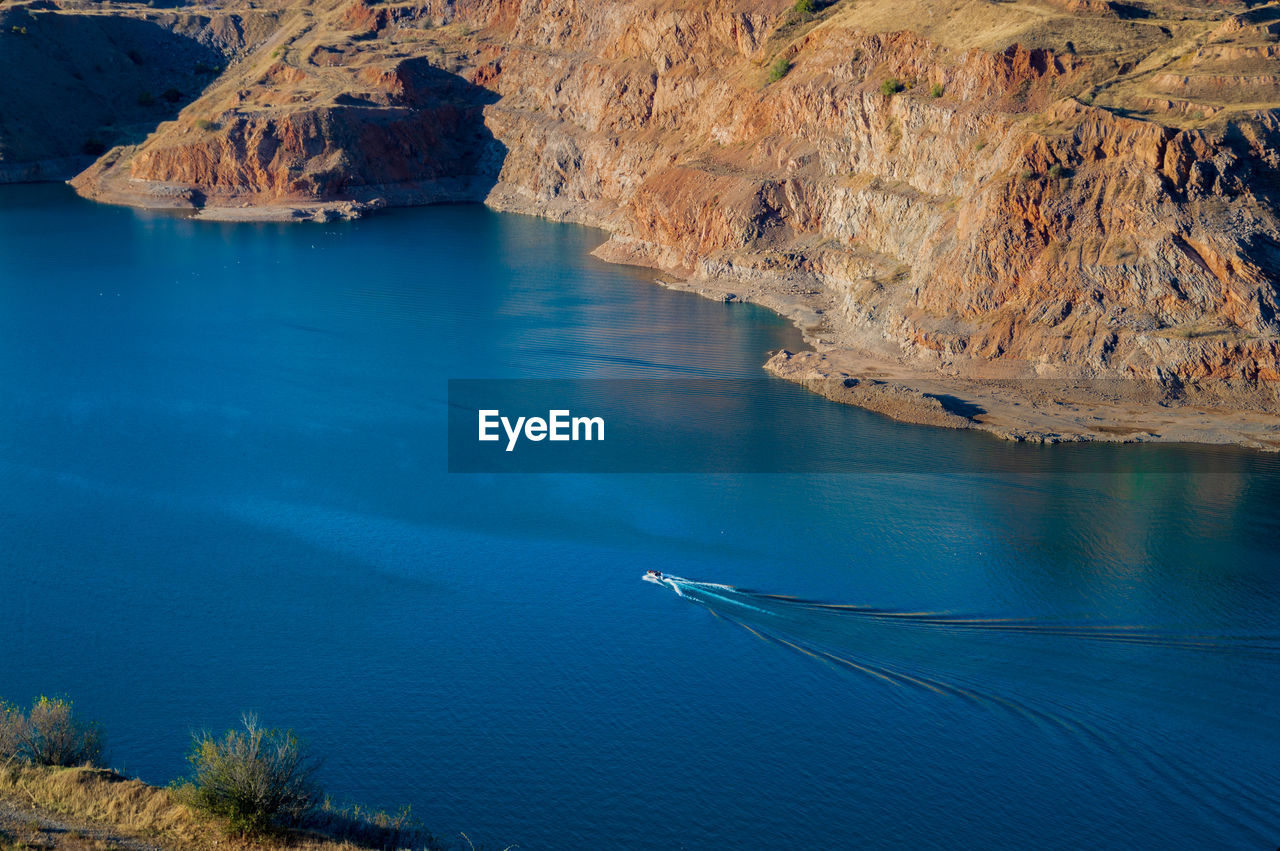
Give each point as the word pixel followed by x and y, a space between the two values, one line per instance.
pixel 891 87
pixel 1056 171
pixel 206 124
pixel 978 146
pixel 1025 175
pixel 258 780
pixel 800 12
pixel 52 735
pixel 780 68
pixel 936 90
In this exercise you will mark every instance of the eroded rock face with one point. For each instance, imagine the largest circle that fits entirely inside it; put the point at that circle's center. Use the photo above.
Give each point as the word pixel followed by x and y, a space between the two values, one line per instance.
pixel 962 209
pixel 429 130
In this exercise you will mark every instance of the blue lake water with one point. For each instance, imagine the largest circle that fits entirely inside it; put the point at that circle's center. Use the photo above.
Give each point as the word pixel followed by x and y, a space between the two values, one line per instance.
pixel 223 488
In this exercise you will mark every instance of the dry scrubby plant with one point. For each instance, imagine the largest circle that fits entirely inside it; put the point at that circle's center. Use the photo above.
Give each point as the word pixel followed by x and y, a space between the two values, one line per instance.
pixel 258 780
pixel 371 828
pixel 255 782
pixel 12 722
pixel 49 734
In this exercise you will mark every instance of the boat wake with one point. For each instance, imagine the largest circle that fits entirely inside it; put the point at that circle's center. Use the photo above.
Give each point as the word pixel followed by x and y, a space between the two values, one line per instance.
pixel 724 599
pixel 1077 680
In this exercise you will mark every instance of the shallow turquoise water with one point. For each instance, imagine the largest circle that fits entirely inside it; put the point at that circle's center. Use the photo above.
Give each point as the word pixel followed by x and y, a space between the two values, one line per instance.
pixel 223 488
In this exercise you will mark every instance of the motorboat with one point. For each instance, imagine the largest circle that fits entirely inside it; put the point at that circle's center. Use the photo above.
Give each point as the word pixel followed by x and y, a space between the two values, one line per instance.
pixel 657 577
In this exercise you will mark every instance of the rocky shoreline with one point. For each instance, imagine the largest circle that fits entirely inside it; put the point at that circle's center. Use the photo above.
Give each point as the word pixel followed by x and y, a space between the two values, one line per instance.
pixel 1021 409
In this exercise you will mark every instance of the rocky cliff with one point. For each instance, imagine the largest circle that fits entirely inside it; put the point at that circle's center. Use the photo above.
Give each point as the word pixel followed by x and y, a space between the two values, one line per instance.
pixel 1004 191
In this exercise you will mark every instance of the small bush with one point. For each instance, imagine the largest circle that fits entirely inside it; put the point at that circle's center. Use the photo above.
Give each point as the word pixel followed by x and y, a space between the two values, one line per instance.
pixel 1087 98
pixel 1025 175
pixel 936 90
pixel 13 726
pixel 258 780
pixel 978 146
pixel 891 87
pixel 801 12
pixel 780 68
pixel 206 124
pixel 52 735
pixel 1056 171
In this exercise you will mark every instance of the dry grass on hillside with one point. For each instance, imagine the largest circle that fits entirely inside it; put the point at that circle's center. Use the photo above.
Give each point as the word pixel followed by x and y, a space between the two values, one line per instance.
pixel 1180 63
pixel 97 809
